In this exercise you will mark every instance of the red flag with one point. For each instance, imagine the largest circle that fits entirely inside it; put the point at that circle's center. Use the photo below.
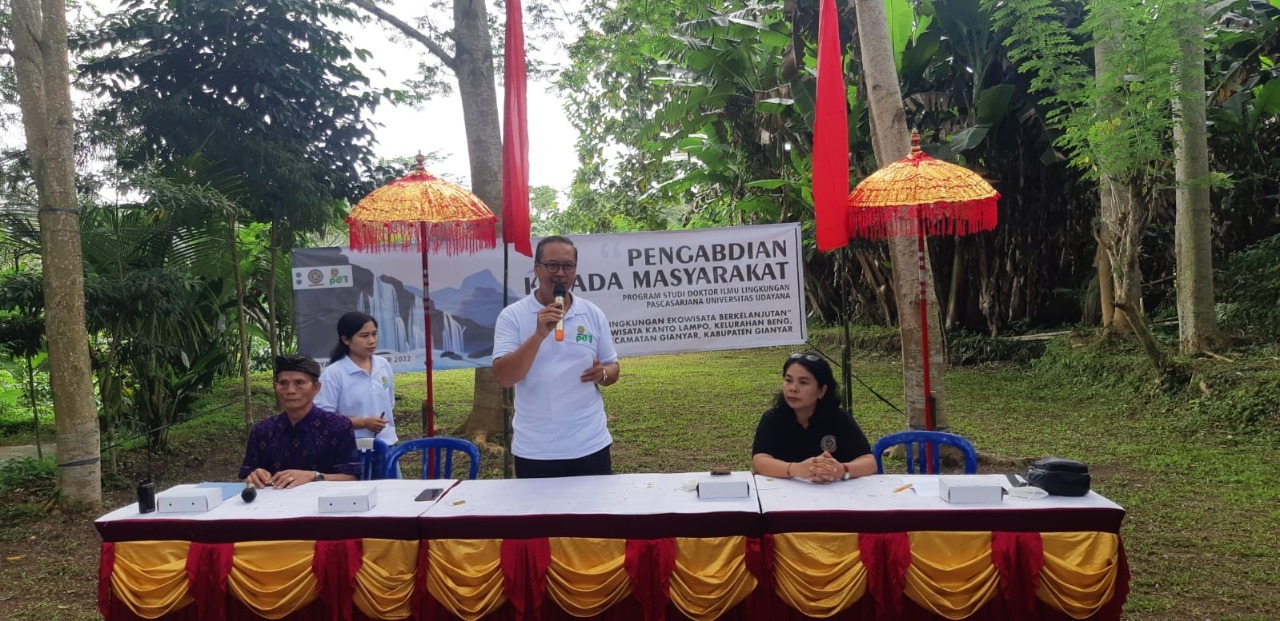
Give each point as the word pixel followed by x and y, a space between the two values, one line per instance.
pixel 515 138
pixel 830 136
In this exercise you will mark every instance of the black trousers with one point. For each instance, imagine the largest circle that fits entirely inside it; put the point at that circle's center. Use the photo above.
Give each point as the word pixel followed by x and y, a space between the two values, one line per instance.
pixel 598 462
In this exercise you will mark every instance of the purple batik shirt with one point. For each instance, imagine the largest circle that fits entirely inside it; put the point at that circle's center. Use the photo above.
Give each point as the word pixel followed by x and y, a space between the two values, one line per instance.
pixel 321 441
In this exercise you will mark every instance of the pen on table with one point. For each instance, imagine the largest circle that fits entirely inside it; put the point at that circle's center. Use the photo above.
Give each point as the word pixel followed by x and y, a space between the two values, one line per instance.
pixel 902 488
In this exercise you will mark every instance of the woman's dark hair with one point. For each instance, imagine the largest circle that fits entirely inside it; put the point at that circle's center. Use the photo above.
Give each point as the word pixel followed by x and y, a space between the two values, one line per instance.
pixel 348 325
pixel 822 374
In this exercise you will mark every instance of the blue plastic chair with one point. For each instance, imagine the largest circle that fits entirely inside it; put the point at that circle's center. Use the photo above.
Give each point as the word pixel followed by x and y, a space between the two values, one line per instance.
pixel 914 445
pixel 442 448
pixel 373 463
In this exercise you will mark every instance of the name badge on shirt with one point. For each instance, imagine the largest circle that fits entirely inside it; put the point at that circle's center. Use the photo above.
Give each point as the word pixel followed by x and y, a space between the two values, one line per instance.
pixel 583 337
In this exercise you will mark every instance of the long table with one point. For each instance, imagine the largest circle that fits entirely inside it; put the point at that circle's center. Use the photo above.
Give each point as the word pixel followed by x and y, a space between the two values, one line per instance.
pixel 624 547
pixel 877 550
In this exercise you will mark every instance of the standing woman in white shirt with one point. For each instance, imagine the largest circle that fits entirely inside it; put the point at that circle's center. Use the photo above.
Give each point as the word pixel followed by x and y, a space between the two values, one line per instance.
pixel 359 384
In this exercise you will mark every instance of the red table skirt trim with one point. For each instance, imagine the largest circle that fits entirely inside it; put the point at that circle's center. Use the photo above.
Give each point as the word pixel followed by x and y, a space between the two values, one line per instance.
pixel 524 575
pixel 649 562
pixel 335 565
pixel 630 610
pixel 207 567
pixel 886 557
pixel 106 564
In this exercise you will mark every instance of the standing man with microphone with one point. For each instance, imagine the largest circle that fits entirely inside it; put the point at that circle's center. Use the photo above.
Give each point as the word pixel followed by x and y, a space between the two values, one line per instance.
pixel 560 425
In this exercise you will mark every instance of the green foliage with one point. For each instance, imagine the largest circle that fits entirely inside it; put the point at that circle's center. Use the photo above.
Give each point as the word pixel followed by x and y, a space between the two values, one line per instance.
pixel 1205 394
pixel 267 90
pixel 15 400
pixel 155 296
pixel 28 475
pixel 1120 118
pixel 22 344
pixel 21 319
pixel 544 208
pixel 865 340
pixel 699 97
pixel 1093 365
pixel 1249 299
pixel 1042 44
pixel 1239 401
pixel 974 349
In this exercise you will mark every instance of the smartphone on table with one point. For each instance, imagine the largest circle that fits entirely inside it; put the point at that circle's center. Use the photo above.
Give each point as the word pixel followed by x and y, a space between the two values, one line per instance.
pixel 431 493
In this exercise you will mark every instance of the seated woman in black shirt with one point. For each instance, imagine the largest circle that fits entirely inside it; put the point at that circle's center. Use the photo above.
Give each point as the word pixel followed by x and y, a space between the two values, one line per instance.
pixel 806 434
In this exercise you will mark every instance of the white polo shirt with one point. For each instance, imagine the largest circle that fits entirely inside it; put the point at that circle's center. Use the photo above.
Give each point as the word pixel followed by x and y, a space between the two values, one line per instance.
pixel 348 390
pixel 557 415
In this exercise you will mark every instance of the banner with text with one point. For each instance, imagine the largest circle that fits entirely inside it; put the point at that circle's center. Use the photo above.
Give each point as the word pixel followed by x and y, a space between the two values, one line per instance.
pixel 663 292
pixel 694 290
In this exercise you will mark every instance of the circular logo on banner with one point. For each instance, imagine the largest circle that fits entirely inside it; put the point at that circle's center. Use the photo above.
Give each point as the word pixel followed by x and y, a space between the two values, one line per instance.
pixel 829 443
pixel 315 277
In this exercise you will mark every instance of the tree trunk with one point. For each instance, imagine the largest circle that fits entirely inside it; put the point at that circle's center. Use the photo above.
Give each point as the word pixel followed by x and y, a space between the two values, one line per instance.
pixel 1148 342
pixel 891 141
pixel 1193 226
pixel 273 329
pixel 957 281
pixel 472 64
pixel 246 388
pixel 1121 219
pixel 882 289
pixel 474 68
pixel 1121 229
pixel 1106 289
pixel 44 93
pixel 35 408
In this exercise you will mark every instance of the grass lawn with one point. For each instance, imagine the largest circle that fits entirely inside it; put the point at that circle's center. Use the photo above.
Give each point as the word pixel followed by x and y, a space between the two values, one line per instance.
pixel 1203 498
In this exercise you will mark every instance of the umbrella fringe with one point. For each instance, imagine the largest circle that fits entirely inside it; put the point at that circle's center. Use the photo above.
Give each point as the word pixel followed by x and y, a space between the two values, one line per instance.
pixel 452 237
pixel 961 218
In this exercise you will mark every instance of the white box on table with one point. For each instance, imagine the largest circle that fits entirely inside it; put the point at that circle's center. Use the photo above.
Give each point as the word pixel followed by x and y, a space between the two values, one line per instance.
pixel 349 499
pixel 970 490
pixel 188 499
pixel 723 486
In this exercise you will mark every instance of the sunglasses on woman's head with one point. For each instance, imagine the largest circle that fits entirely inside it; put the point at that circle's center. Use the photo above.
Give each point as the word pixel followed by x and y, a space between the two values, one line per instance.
pixel 809 357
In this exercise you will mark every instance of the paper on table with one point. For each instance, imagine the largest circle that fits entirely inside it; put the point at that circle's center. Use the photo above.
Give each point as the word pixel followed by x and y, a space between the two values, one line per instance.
pixel 228 489
pixel 923 486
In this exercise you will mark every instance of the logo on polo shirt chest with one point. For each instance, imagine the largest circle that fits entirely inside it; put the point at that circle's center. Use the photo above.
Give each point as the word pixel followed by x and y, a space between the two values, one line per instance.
pixel 583 337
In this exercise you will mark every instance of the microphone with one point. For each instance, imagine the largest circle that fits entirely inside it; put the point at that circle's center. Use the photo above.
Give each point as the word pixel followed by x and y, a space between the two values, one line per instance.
pixel 248 494
pixel 559 293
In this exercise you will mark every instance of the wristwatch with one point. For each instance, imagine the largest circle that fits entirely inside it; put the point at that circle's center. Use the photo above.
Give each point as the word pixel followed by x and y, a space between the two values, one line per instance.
pixel 320 475
pixel 846 472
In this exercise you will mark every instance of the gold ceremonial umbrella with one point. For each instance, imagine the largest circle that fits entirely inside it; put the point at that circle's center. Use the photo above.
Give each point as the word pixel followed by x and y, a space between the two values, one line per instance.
pixel 420 210
pixel 921 194
pixel 425 212
pixel 913 196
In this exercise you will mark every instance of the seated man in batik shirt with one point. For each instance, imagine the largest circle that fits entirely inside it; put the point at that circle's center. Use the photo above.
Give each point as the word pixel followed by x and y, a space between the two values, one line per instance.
pixel 303 443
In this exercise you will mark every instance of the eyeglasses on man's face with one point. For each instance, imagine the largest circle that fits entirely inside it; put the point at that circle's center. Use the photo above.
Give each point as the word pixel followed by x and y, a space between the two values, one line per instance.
pixel 558 267
pixel 809 357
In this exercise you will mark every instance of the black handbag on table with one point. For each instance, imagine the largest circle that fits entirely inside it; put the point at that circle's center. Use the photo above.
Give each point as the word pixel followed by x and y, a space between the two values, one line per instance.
pixel 1059 477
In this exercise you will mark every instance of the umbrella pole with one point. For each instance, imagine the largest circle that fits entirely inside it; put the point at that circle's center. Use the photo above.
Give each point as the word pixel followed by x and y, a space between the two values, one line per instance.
pixel 921 254
pixel 428 406
pixel 508 394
